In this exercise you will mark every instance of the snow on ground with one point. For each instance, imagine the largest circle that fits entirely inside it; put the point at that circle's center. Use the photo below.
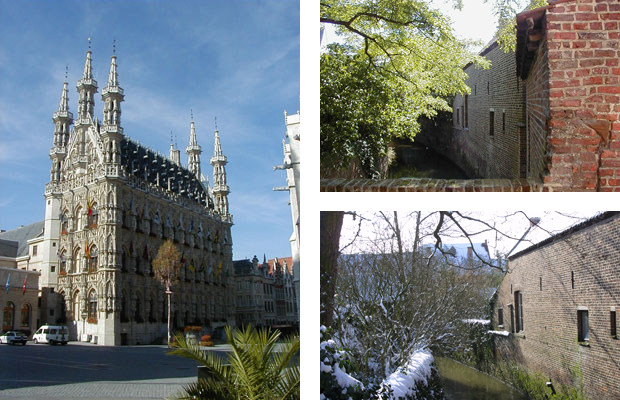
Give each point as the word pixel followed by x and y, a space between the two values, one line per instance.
pixel 418 368
pixel 503 333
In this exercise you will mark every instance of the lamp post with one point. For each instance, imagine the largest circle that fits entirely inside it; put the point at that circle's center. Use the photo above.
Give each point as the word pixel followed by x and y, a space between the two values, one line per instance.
pixel 168 292
pixel 533 222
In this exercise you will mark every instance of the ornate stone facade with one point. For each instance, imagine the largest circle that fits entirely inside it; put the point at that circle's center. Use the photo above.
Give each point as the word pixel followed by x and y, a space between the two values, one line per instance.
pixel 112 202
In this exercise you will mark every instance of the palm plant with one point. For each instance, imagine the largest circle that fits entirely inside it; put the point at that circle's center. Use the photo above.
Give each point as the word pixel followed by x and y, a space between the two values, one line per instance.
pixel 257 368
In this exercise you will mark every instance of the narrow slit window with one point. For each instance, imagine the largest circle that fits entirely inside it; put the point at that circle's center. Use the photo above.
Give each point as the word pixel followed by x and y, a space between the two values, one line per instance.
pixel 612 324
pixel 582 326
pixel 504 121
pixel 466 115
pixel 491 123
pixel 500 317
pixel 458 113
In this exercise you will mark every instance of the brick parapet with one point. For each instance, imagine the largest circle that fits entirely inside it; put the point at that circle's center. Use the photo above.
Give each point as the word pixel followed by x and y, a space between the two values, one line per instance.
pixel 583 39
pixel 431 185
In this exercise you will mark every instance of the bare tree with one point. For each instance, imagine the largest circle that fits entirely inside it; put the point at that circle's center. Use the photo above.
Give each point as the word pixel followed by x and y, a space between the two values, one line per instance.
pixel 166 268
pixel 398 298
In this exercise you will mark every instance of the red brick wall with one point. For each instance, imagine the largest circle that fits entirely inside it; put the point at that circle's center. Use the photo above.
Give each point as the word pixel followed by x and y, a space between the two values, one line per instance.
pixel 549 344
pixel 583 39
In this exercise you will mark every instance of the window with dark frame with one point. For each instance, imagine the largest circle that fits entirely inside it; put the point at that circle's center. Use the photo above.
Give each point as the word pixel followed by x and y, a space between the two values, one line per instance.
pixel 466 114
pixel 518 311
pixel 583 333
pixel 612 324
pixel 504 121
pixel 491 123
pixel 500 317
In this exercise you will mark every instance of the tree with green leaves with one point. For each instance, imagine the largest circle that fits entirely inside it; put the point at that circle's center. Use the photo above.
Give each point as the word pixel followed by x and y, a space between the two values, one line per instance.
pixel 166 268
pixel 259 366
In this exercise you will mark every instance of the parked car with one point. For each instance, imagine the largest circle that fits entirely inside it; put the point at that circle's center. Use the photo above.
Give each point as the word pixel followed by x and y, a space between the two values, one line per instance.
pixel 51 334
pixel 12 337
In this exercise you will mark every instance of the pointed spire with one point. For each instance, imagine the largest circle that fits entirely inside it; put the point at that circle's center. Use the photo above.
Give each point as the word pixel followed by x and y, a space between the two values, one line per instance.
pixel 220 188
pixel 193 150
pixel 113 76
pixel 88 65
pixel 87 87
pixel 112 96
pixel 64 98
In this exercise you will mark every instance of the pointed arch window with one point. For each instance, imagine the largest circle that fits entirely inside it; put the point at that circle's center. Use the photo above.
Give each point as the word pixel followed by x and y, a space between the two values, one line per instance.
pixel 77 220
pixel 9 315
pixel 76 260
pixel 64 223
pixel 93 215
pixel 92 306
pixel 75 305
pixel 63 262
pixel 93 258
pixel 25 322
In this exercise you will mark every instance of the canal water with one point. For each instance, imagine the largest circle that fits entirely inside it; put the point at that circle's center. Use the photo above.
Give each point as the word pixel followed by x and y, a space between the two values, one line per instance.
pixel 461 382
pixel 415 160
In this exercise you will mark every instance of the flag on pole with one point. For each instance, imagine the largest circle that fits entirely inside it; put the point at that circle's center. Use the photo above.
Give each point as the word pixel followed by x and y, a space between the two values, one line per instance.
pixel 24 287
pixel 90 208
pixel 8 283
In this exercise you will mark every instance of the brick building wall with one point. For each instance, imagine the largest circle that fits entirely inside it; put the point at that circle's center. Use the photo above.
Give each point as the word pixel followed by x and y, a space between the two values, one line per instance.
pixel 581 39
pixel 537 115
pixel 577 269
pixel 487 122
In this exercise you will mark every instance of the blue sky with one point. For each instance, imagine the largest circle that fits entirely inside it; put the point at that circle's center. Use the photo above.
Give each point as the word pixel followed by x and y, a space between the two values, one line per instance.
pixel 234 60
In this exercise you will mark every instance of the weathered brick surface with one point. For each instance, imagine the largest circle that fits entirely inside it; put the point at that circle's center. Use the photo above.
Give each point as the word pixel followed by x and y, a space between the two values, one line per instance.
pixel 583 140
pixel 430 185
pixel 472 147
pixel 590 255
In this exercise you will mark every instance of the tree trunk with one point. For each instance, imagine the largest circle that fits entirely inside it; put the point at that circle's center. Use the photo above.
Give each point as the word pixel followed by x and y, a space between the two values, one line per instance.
pixel 331 225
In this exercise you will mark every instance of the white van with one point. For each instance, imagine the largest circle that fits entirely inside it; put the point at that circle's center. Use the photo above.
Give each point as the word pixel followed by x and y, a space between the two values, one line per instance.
pixel 51 334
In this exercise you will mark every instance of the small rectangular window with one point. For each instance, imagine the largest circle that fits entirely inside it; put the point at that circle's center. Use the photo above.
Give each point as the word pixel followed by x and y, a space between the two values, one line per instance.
pixel 612 324
pixel 34 250
pixel 491 123
pixel 53 268
pixel 500 317
pixel 518 311
pixel 458 120
pixel 504 121
pixel 582 326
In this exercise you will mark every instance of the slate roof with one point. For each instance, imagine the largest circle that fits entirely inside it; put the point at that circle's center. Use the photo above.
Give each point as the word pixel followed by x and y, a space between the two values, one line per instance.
pixel 8 248
pixel 21 235
pixel 156 169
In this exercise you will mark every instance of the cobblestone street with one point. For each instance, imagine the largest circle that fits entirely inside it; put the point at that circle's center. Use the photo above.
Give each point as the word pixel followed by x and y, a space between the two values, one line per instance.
pixel 81 371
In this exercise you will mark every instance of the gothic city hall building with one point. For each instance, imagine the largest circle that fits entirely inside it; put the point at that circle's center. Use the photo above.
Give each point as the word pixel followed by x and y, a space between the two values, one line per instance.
pixel 110 204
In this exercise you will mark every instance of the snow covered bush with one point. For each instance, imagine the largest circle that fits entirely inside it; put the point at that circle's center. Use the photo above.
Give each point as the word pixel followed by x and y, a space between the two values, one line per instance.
pixel 417 380
pixel 336 383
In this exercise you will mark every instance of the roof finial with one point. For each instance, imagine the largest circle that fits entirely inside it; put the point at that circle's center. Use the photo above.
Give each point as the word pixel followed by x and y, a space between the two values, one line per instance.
pixel 89 43
pixel 114 47
pixel 171 138
pixel 191 112
pixel 215 121
pixel 66 71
